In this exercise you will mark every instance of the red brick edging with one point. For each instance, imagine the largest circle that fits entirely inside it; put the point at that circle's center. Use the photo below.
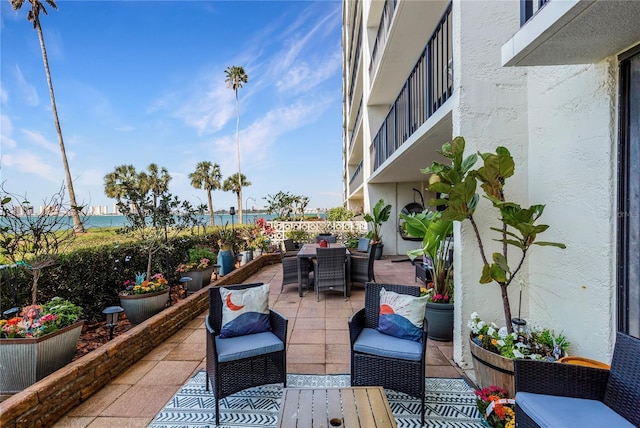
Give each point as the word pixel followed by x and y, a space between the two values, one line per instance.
pixel 46 401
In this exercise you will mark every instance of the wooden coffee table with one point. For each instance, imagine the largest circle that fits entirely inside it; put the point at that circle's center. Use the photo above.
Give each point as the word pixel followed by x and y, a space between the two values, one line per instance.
pixel 335 407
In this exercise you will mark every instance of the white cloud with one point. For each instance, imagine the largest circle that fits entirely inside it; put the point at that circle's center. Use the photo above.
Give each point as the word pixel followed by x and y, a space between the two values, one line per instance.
pixel 30 163
pixel 6 131
pixel 29 93
pixel 36 138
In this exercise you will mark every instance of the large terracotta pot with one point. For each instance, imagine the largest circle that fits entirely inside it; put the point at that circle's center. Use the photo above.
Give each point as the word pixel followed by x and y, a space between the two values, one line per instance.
pixel 25 361
pixel 492 369
pixel 439 321
pixel 139 307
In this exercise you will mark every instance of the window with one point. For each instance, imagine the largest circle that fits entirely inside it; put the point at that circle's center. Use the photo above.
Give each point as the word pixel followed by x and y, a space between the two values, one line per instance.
pixel 628 247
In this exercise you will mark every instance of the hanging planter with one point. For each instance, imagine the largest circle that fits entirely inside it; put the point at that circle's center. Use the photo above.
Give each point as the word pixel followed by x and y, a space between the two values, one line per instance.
pixel 24 361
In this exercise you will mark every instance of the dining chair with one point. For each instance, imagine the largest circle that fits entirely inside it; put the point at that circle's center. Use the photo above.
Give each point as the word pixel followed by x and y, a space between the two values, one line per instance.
pixel 246 341
pixel 329 270
pixel 362 266
pixel 290 271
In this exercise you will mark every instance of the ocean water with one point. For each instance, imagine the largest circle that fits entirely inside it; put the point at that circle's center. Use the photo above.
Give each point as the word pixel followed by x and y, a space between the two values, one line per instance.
pixel 99 221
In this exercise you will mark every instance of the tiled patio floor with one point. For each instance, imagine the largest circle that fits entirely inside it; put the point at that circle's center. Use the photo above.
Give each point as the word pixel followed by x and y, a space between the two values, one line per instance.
pixel 318 344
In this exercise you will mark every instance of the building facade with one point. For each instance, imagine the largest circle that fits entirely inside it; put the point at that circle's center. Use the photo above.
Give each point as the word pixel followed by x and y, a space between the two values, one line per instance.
pixel 557 82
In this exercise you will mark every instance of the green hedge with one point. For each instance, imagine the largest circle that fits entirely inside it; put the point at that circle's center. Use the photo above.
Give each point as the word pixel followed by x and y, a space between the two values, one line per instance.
pixel 93 277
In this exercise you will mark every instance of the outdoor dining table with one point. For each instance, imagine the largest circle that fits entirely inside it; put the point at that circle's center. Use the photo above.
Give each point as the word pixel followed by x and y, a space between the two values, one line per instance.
pixel 308 251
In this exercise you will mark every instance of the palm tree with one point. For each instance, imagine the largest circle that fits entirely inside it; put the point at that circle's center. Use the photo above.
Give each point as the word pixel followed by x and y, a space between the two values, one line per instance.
pixel 34 16
pixel 157 181
pixel 208 176
pixel 234 184
pixel 236 77
pixel 118 184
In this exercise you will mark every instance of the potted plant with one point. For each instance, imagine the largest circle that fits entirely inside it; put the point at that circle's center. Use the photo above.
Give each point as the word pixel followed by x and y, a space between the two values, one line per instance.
pixel 44 338
pixel 376 219
pixel 38 342
pixel 495 407
pixel 456 183
pixel 143 298
pixel 437 238
pixel 199 268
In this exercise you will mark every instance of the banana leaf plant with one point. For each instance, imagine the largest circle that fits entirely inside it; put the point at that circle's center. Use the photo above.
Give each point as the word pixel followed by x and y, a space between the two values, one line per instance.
pixel 437 238
pixel 379 215
pixel 457 182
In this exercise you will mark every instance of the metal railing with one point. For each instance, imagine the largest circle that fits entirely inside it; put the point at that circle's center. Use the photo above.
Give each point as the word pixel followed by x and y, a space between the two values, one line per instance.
pixel 428 86
pixel 356 178
pixel 355 69
pixel 383 31
pixel 528 8
pixel 352 137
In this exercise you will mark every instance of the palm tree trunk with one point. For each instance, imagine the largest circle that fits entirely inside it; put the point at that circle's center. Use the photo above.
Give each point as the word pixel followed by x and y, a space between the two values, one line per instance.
pixel 210 200
pixel 77 224
pixel 238 152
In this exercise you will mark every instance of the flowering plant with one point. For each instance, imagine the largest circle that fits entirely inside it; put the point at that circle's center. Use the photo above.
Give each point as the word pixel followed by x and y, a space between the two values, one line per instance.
pixel 199 258
pixel 538 344
pixel 36 320
pixel 496 407
pixel 141 285
pixel 434 296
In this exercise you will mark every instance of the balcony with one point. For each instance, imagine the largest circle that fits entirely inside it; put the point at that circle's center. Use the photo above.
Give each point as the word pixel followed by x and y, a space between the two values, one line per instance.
pixel 412 22
pixel 573 32
pixel 356 179
pixel 429 86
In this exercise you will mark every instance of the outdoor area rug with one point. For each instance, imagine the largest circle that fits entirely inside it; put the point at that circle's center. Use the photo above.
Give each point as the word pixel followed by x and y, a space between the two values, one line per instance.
pixel 450 404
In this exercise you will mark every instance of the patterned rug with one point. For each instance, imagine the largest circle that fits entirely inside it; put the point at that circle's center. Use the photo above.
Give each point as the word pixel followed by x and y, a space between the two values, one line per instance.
pixel 450 403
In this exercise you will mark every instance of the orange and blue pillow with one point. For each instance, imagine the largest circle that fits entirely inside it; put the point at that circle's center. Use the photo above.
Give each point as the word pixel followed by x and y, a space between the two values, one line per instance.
pixel 401 315
pixel 244 311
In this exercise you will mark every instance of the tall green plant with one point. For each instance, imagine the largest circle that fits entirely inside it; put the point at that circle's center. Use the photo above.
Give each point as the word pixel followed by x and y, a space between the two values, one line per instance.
pixel 376 218
pixel 457 183
pixel 436 237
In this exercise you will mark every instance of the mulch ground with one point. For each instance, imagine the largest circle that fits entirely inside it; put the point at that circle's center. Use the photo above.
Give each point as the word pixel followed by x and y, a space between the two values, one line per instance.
pixel 94 335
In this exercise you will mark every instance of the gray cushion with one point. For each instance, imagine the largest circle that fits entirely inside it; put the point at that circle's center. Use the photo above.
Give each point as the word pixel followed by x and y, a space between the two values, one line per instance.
pixel 558 412
pixel 371 341
pixel 250 345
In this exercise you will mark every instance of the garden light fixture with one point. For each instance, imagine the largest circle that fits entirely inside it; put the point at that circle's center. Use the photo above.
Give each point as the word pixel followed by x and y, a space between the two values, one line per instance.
pixel 111 313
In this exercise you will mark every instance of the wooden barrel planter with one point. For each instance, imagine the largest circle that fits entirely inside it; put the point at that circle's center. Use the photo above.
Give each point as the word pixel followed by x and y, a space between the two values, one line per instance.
pixel 24 361
pixel 492 369
pixel 139 307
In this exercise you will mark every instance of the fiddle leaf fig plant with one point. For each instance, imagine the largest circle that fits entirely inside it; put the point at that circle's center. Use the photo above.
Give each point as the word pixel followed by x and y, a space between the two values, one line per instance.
pixel 457 183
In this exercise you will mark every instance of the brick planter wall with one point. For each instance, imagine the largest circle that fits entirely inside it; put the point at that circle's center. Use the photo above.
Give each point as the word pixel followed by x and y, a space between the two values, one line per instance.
pixel 46 401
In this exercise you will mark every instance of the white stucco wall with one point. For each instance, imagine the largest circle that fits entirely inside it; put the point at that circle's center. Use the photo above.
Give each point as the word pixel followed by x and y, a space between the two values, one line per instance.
pixel 572 164
pixel 490 111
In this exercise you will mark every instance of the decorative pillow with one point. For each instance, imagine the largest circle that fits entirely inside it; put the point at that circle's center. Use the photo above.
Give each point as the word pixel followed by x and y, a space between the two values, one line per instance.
pixel 401 315
pixel 244 311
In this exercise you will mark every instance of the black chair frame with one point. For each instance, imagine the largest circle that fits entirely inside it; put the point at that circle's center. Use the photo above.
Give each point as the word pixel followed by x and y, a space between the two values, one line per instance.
pixel 230 377
pixel 392 373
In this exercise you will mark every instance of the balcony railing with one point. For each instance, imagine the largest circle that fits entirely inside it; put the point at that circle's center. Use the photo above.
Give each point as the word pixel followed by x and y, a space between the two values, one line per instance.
pixel 356 178
pixel 352 137
pixel 356 68
pixel 429 85
pixel 528 8
pixel 383 31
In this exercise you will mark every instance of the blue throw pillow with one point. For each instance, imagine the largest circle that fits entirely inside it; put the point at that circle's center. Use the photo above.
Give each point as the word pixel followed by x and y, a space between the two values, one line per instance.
pixel 245 311
pixel 401 315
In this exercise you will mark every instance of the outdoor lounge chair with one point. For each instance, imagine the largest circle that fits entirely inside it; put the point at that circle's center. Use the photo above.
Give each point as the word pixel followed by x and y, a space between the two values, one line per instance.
pixel 362 266
pixel 237 363
pixel 329 270
pixel 561 394
pixel 381 359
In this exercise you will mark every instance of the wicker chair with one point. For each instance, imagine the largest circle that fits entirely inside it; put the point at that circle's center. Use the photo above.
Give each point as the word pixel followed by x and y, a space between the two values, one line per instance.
pixel 363 246
pixel 290 271
pixel 331 239
pixel 290 249
pixel 232 364
pixel 330 270
pixel 573 395
pixel 362 267
pixel 386 366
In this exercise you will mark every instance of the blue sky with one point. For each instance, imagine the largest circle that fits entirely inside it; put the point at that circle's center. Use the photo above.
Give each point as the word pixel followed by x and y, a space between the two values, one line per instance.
pixel 140 82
